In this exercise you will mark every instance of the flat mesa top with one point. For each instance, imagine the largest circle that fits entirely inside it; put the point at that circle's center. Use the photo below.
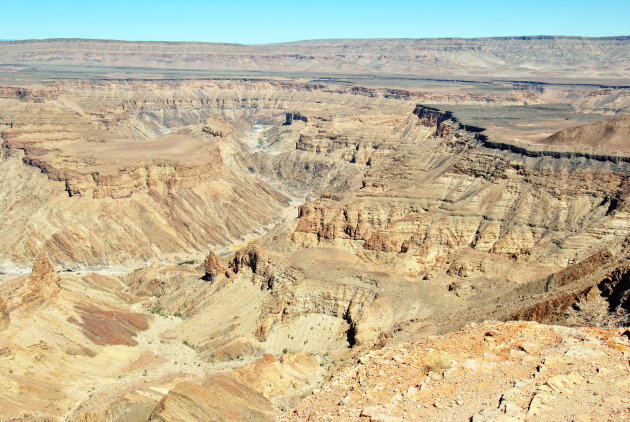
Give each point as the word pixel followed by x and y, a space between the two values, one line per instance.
pixel 112 156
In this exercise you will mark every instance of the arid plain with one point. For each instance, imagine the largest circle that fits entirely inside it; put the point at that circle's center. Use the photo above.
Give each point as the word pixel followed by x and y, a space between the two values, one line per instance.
pixel 326 230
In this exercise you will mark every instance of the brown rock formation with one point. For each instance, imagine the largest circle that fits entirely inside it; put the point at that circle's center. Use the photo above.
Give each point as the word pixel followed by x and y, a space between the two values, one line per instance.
pixel 254 258
pixel 213 267
pixel 43 284
pixel 291 117
pixel 605 273
pixel 216 125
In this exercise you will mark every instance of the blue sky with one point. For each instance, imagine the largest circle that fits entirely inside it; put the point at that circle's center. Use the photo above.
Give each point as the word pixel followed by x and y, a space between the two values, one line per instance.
pixel 256 22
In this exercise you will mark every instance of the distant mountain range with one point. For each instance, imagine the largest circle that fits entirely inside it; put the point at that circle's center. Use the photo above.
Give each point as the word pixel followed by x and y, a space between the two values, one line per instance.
pixel 524 57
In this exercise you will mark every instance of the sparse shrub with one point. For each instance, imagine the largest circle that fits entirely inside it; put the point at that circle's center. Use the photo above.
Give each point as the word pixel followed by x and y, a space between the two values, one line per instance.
pixel 187 262
pixel 594 312
pixel 177 314
pixel 437 360
pixel 144 374
pixel 285 351
pixel 157 310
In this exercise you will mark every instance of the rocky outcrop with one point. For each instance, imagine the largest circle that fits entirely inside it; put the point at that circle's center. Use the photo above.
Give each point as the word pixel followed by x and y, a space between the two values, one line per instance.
pixel 291 117
pixel 616 289
pixel 430 116
pixel 159 175
pixel 273 377
pixel 42 285
pixel 255 259
pixel 158 280
pixel 213 268
pixel 488 372
pixel 324 145
pixel 215 125
pixel 603 274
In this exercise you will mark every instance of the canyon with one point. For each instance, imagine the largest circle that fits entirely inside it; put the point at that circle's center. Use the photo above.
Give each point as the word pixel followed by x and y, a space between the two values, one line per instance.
pixel 334 238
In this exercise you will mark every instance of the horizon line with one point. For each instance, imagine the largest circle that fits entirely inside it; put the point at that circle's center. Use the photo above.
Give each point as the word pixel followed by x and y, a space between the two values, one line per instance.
pixel 506 37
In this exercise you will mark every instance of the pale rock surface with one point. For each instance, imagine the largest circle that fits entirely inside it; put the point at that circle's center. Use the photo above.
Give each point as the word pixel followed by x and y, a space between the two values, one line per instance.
pixel 506 383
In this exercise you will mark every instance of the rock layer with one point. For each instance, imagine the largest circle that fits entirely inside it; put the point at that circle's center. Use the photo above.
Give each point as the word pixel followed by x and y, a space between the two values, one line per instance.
pixel 443 189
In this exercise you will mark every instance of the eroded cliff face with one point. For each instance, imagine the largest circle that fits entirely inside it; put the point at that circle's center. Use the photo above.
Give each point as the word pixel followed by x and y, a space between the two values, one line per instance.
pixel 160 170
pixel 434 186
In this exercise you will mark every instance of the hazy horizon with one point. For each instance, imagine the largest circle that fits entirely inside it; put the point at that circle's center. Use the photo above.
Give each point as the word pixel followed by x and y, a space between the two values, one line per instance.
pixel 249 22
pixel 533 36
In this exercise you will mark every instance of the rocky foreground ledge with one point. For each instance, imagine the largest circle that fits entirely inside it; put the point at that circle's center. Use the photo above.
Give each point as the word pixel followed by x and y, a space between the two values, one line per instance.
pixel 514 371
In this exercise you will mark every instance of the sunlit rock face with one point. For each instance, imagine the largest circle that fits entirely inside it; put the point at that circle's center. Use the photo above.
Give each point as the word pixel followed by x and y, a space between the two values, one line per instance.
pixel 155 169
pixel 222 249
